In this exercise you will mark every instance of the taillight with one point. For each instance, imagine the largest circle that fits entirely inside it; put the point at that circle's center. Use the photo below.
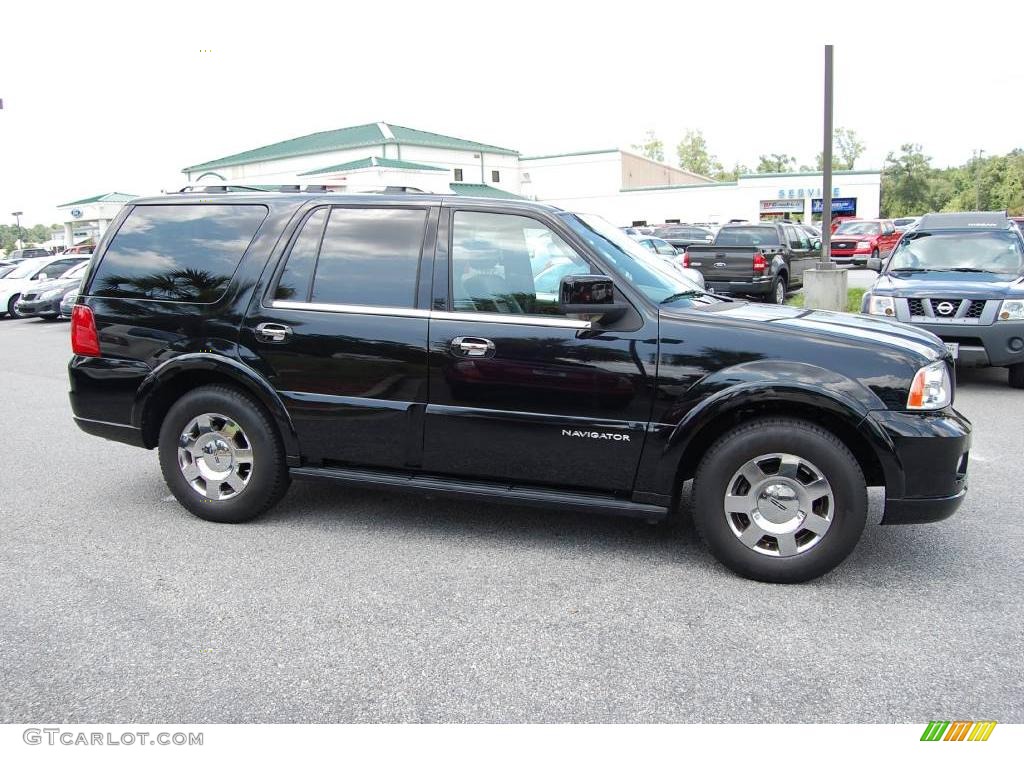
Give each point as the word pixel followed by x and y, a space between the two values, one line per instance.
pixel 684 260
pixel 760 262
pixel 84 339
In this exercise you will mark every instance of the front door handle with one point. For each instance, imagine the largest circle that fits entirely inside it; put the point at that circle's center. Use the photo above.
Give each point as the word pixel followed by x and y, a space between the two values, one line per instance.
pixel 274 332
pixel 471 346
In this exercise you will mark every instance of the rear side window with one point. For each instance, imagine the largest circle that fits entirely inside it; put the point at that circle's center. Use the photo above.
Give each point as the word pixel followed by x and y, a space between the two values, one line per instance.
pixel 298 272
pixel 370 257
pixel 177 252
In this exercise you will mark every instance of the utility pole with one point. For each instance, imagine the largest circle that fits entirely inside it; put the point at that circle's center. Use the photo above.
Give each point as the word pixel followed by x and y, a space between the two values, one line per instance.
pixel 826 169
pixel 825 286
pixel 17 223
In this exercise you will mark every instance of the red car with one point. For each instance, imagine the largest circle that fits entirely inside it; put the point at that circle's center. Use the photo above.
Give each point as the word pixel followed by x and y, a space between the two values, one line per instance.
pixel 857 240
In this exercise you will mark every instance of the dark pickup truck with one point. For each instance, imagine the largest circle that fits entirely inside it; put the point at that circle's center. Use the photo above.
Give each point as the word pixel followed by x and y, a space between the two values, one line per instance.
pixel 412 342
pixel 763 260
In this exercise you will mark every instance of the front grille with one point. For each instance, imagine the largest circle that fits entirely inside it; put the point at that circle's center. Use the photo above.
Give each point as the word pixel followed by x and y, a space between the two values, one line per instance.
pixel 975 310
pixel 843 245
pixel 29 297
pixel 916 307
pixel 936 303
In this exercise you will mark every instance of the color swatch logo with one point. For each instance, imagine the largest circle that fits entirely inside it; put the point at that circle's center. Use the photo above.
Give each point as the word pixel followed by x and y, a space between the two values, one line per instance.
pixel 958 730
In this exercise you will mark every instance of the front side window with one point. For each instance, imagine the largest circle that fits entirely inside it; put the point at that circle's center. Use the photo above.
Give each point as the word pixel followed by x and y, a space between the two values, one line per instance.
pixel 998 252
pixel 370 257
pixel 509 264
pixel 177 252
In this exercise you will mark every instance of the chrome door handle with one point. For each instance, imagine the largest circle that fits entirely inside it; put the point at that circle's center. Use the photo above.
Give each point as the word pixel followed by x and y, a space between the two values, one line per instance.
pixel 471 346
pixel 273 332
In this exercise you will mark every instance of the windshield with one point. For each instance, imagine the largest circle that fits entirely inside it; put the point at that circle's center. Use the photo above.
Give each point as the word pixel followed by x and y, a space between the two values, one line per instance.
pixel 656 278
pixel 859 228
pixel 25 268
pixel 998 252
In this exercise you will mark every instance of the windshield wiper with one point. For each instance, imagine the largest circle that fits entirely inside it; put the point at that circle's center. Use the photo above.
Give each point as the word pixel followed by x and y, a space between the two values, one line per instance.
pixel 682 295
pixel 913 269
pixel 966 269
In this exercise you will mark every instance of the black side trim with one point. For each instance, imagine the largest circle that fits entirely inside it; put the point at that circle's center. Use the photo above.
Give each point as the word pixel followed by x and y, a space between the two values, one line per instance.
pixel 121 433
pixel 926 510
pixel 496 492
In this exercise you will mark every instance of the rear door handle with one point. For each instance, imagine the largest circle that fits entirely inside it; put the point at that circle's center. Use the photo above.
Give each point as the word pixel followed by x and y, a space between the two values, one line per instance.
pixel 274 332
pixel 471 346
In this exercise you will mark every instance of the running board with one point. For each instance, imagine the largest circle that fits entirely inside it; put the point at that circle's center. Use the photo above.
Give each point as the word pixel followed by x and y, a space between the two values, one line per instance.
pixel 495 492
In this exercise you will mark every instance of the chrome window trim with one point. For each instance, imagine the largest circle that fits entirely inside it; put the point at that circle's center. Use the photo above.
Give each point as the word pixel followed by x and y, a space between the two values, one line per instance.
pixel 469 317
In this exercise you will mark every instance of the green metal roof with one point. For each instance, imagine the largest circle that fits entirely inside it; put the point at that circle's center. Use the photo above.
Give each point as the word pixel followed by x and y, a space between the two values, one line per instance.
pixel 802 173
pixel 569 154
pixel 368 135
pixel 375 162
pixel 109 197
pixel 482 190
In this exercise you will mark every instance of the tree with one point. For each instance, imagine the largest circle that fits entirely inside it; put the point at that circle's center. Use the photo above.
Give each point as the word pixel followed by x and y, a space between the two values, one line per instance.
pixel 695 157
pixel 846 150
pixel 775 163
pixel 738 169
pixel 652 147
pixel 907 182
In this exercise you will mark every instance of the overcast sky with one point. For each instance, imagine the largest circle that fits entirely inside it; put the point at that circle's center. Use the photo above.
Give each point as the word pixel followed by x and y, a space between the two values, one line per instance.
pixel 102 97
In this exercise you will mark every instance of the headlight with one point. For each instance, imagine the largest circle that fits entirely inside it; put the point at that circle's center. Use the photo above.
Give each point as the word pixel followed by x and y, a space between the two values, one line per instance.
pixel 882 305
pixel 51 294
pixel 931 388
pixel 1012 310
pixel 863 245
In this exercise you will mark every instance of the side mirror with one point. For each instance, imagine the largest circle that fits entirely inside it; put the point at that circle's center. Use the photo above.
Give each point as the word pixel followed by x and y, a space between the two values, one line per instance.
pixel 874 264
pixel 816 244
pixel 590 296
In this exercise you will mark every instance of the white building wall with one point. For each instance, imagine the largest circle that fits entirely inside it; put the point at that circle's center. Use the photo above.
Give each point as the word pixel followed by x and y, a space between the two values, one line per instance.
pixel 719 202
pixel 572 176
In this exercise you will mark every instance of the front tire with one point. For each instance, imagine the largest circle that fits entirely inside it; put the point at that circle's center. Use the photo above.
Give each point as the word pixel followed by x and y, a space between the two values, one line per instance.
pixel 780 500
pixel 1016 375
pixel 11 311
pixel 221 455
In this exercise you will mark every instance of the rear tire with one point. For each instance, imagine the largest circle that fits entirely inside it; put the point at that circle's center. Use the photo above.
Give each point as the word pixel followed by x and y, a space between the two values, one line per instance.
pixel 1016 375
pixel 221 455
pixel 796 500
pixel 778 292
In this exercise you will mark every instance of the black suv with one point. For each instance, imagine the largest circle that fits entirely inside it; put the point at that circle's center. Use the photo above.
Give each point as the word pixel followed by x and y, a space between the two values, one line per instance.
pixel 409 341
pixel 960 276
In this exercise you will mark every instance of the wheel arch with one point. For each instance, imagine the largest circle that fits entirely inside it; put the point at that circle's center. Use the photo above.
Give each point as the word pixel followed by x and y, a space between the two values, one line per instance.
pixel 168 382
pixel 694 436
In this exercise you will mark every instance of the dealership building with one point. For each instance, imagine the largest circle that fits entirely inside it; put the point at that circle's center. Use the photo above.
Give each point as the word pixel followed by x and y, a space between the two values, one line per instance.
pixel 620 185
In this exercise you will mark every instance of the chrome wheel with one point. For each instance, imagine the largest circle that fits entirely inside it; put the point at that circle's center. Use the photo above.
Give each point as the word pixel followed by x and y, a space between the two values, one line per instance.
pixel 779 504
pixel 780 292
pixel 215 457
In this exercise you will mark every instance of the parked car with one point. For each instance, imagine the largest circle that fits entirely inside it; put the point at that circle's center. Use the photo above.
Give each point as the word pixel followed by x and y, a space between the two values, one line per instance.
pixel 683 236
pixel 958 275
pixel 44 298
pixel 67 302
pixel 669 253
pixel 854 242
pixel 906 222
pixel 27 253
pixel 397 341
pixel 83 249
pixel 30 273
pixel 6 267
pixel 763 260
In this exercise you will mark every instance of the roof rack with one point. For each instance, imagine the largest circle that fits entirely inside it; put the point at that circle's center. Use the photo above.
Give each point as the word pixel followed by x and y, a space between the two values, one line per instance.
pixel 293 188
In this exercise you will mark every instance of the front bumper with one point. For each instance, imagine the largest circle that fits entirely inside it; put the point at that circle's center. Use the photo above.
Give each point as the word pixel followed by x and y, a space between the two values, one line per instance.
pixel 998 344
pixel 856 258
pixel 926 464
pixel 39 307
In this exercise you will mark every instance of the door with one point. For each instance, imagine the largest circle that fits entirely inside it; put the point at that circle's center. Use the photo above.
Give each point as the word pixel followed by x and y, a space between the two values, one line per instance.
pixel 342 337
pixel 889 238
pixel 518 392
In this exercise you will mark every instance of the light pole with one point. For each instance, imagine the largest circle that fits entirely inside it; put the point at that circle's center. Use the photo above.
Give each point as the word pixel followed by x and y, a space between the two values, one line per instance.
pixel 826 169
pixel 977 181
pixel 17 223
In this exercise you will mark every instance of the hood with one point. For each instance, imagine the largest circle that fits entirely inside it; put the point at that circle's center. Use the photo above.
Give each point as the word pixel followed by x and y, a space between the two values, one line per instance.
pixel 835 325
pixel 961 285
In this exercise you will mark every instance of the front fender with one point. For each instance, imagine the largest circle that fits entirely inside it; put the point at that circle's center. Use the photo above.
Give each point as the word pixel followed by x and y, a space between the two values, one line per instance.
pixel 164 374
pixel 764 386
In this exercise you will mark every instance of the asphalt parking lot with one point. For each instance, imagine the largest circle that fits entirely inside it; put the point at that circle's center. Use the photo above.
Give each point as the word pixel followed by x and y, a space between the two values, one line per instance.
pixel 116 605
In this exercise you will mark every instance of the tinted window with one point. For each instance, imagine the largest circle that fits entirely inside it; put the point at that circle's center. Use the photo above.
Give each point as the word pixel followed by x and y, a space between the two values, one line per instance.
pixel 177 252
pixel 370 257
pixel 748 236
pixel 507 263
pixel 59 267
pixel 664 248
pixel 295 280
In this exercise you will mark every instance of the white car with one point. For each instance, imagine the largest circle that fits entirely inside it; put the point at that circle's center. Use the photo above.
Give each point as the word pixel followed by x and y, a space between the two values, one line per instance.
pixel 27 275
